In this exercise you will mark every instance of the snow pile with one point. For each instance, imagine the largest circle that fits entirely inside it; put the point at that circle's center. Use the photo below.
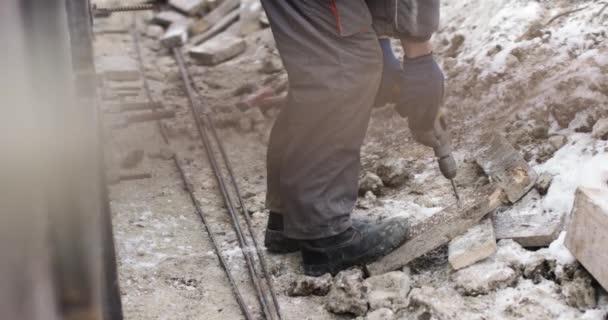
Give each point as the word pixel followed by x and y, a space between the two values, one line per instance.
pixel 581 163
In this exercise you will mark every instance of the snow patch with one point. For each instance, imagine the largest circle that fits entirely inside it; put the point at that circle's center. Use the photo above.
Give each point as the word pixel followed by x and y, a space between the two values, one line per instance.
pixel 578 164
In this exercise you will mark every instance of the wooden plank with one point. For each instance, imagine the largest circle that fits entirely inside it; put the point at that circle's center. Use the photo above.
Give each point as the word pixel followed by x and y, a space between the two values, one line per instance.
pixel 505 167
pixel 587 236
pixel 440 228
pixel 221 11
pixel 224 23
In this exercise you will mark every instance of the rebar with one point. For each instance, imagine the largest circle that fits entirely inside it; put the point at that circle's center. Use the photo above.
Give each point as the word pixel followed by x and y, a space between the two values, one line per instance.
pixel 250 261
pixel 243 306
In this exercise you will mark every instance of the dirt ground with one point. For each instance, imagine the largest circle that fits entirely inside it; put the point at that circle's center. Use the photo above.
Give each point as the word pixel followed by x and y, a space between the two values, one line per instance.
pixel 510 68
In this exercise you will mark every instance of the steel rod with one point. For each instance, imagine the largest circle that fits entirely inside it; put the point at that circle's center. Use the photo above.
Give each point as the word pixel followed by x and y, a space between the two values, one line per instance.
pixel 223 262
pixel 243 306
pixel 247 219
pixel 250 262
pixel 142 70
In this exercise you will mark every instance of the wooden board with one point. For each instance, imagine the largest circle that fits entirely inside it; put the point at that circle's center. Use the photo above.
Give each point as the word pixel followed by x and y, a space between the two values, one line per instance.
pixel 440 228
pixel 587 236
pixel 220 26
pixel 505 167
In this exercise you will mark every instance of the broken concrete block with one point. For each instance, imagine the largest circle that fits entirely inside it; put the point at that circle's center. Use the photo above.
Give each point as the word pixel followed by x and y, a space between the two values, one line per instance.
pixel 271 64
pixel 543 183
pixel 513 254
pixel 440 228
pixel 217 50
pixel 388 290
pixel 505 167
pixel 475 245
pixel 587 236
pixel 176 35
pixel 118 68
pixel 484 277
pixel 600 129
pixel 557 141
pixel 380 314
pixel 394 172
pixel 305 286
pixel 167 18
pixel 370 182
pixel 348 294
pixel 529 225
pixel 190 7
pixel 441 303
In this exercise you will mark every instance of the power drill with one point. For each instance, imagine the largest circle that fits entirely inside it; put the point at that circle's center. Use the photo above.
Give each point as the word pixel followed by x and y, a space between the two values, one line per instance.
pixel 443 152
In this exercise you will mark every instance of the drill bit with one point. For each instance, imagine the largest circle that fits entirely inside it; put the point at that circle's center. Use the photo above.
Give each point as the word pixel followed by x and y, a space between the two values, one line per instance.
pixel 455 191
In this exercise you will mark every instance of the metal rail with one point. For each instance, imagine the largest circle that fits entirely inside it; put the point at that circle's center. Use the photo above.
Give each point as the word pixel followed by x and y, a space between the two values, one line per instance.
pixel 249 259
pixel 243 306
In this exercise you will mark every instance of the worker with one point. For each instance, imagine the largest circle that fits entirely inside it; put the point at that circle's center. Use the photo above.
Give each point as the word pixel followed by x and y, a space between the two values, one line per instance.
pixel 335 55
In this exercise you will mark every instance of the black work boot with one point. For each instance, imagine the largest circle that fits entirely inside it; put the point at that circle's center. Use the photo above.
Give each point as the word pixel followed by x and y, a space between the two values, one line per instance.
pixel 356 246
pixel 274 240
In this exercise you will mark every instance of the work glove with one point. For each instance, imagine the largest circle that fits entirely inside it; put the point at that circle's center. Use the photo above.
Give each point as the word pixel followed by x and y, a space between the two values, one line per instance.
pixel 389 90
pixel 417 90
pixel 422 89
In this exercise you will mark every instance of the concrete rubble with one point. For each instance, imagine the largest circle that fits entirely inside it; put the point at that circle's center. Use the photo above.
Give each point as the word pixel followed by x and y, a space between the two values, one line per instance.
pixel 485 237
pixel 600 129
pixel 306 286
pixel 349 294
pixel 217 50
pixel 380 314
pixel 394 172
pixel 543 183
pixel 438 303
pixel 388 291
pixel 484 277
pixel 536 228
pixel 370 183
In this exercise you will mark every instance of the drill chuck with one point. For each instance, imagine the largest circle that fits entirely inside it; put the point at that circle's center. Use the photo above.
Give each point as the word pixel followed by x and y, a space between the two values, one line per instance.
pixel 447 166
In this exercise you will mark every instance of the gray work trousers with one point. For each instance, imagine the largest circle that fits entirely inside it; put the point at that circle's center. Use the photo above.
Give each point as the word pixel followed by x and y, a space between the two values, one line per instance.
pixel 334 63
